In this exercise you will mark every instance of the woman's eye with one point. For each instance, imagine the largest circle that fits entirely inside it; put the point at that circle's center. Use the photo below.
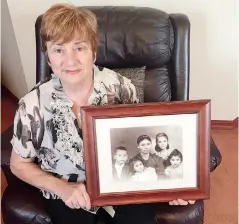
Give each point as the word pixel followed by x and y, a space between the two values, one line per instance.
pixel 58 51
pixel 80 49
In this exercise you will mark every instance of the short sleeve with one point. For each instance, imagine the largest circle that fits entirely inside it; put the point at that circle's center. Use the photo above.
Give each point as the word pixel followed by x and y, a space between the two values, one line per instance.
pixel 23 140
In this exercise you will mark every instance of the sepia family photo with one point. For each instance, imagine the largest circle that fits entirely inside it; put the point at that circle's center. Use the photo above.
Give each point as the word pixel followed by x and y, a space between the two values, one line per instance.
pixel 147 153
pixel 153 152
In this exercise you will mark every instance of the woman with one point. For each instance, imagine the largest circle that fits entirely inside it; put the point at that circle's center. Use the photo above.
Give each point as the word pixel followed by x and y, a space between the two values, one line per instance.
pixel 144 143
pixel 69 40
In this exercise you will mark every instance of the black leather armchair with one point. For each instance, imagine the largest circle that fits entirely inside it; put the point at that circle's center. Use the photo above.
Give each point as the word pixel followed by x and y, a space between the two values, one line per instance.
pixel 129 37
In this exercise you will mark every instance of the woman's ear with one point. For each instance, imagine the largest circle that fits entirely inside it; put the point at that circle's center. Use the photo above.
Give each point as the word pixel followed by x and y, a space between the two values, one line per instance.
pixel 47 58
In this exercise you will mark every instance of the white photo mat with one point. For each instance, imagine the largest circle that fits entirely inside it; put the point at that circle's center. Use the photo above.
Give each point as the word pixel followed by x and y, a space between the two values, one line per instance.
pixel 188 122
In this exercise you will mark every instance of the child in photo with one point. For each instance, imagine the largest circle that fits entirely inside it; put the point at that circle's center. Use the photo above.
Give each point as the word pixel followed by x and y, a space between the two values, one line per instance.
pixel 162 148
pixel 120 165
pixel 175 165
pixel 142 173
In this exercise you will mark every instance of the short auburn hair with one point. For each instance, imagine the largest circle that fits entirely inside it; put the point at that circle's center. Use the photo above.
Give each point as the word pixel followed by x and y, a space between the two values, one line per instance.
pixel 62 21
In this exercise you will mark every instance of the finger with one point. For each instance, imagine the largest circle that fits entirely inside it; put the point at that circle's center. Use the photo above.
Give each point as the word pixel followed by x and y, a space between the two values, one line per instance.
pixel 80 199
pixel 191 202
pixel 171 202
pixel 182 202
pixel 87 200
pixel 69 204
pixel 175 202
pixel 76 205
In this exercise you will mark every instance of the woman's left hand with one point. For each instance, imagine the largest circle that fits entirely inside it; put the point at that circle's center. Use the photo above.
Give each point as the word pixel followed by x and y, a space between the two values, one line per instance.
pixel 181 202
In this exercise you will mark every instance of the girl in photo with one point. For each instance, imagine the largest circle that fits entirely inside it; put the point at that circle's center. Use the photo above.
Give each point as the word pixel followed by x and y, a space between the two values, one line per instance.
pixel 142 173
pixel 162 148
pixel 175 166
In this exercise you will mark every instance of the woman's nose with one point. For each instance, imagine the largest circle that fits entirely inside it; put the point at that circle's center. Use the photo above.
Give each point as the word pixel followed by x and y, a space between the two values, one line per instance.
pixel 70 58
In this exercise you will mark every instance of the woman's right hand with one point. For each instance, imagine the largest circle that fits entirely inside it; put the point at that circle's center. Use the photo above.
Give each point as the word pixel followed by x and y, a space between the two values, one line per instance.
pixel 75 196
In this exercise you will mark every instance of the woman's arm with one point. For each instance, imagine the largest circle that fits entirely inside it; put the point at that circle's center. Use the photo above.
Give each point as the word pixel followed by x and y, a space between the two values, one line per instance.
pixel 32 174
pixel 74 195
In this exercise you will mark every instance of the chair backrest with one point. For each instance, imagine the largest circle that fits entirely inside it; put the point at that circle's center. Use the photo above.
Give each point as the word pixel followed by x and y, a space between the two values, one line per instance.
pixel 132 37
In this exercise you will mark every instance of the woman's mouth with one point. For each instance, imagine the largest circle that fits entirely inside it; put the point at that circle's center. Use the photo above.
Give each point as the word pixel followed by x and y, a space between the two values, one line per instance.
pixel 73 72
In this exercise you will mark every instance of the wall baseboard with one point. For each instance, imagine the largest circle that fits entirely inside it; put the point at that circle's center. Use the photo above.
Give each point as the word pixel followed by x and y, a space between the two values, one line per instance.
pixel 223 124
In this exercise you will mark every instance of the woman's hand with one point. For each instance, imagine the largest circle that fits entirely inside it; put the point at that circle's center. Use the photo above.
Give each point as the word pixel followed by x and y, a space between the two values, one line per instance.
pixel 75 196
pixel 181 202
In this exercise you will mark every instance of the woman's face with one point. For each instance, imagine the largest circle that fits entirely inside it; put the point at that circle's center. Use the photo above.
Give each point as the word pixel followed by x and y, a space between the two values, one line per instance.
pixel 138 166
pixel 145 146
pixel 72 62
pixel 162 142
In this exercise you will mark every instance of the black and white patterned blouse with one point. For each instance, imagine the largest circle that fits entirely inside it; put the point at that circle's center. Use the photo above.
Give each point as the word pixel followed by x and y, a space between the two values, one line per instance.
pixel 46 128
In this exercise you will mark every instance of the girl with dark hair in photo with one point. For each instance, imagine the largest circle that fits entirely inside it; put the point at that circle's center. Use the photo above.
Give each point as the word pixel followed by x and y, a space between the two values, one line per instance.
pixel 142 173
pixel 174 164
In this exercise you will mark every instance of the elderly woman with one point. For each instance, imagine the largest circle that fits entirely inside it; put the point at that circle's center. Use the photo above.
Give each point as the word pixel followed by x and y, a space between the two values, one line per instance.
pixel 49 128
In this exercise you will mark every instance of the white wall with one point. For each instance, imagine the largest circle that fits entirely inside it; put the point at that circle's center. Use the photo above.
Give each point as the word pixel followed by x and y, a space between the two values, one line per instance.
pixel 11 67
pixel 214 37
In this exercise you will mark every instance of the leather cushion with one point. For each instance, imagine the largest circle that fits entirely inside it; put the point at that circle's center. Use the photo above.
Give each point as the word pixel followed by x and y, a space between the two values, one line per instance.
pixel 181 214
pixel 23 204
pixel 129 36
pixel 157 86
pixel 137 77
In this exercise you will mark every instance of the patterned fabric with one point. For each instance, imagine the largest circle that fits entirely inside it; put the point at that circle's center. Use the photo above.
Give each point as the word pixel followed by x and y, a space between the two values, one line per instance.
pixel 137 77
pixel 46 128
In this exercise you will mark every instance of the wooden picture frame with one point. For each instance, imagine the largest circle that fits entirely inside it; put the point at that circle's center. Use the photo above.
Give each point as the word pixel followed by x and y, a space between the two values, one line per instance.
pixel 187 125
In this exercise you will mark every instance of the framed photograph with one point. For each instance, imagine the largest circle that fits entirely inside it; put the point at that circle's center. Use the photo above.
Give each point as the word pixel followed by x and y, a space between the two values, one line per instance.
pixel 149 152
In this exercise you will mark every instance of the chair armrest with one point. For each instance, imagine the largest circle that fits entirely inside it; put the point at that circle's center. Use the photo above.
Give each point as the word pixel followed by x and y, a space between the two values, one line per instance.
pixel 24 204
pixel 6 150
pixel 3 182
pixel 180 57
pixel 6 147
pixel 21 202
pixel 172 214
pixel 3 187
pixel 216 157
